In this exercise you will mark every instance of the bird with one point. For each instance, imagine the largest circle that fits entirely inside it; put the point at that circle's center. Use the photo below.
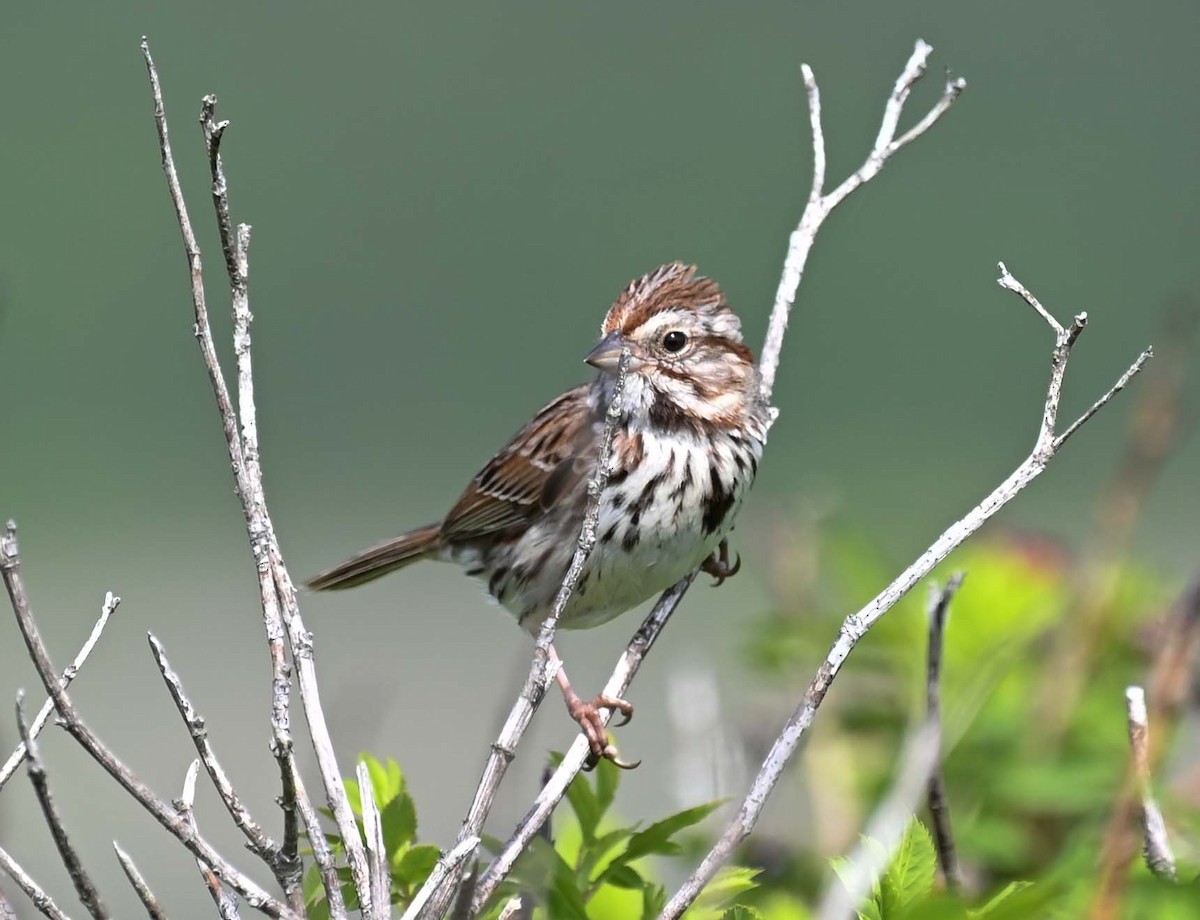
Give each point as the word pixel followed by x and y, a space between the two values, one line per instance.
pixel 689 433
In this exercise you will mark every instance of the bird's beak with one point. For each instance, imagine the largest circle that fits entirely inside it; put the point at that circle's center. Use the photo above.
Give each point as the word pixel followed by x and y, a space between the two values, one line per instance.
pixel 607 353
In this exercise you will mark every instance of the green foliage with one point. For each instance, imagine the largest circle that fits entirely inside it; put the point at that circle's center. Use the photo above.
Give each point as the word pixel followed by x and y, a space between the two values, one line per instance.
pixel 1037 655
pixel 600 868
pixel 410 861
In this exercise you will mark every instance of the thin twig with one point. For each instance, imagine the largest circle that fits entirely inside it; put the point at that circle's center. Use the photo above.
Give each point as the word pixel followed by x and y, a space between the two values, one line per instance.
pixel 10 570
pixel 543 668
pixel 148 898
pixel 280 610
pixel 939 804
pixel 553 791
pixel 449 867
pixel 377 856
pixel 856 625
pixel 185 805
pixel 23 880
pixel 43 715
pixel 89 896
pixel 511 909
pixel 820 204
pixel 259 843
pixel 322 855
pixel 1160 858
pixel 818 208
pixel 885 830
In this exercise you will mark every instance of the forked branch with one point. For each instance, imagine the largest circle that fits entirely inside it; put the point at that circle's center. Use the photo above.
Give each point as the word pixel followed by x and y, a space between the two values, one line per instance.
pixel 857 624
pixel 818 208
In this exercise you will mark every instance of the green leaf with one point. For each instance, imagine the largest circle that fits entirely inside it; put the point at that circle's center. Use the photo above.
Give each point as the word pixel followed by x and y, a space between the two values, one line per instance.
pixel 624 877
pixel 657 837
pixel 414 866
pixel 715 899
pixel 608 778
pixel 911 873
pixel 381 780
pixel 399 820
pixel 654 899
pixel 586 807
pixel 741 912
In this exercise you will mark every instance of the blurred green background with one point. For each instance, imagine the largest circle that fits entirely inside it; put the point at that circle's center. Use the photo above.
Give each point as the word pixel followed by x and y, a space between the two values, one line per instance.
pixel 445 199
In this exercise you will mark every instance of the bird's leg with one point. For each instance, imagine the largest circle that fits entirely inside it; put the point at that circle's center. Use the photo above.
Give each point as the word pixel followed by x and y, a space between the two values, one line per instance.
pixel 717 565
pixel 587 714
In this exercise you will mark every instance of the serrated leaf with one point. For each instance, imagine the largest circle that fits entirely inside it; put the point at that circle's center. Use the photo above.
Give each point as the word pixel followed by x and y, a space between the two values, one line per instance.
pixel 624 877
pixel 380 781
pixel 657 836
pixel 399 820
pixel 654 899
pixel 415 865
pixel 911 872
pixel 726 885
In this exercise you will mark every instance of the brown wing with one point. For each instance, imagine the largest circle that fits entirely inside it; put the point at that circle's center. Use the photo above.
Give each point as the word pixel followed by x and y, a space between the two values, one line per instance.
pixel 543 460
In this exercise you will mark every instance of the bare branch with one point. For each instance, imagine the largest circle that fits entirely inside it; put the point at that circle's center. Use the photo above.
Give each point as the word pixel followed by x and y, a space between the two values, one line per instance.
pixel 10 567
pixel 68 675
pixel 84 887
pixel 149 900
pixel 226 904
pixel 1160 858
pixel 939 805
pixel 887 825
pixel 555 788
pixel 511 909
pixel 544 666
pixel 857 624
pixel 449 867
pixel 259 843
pixel 377 857
pixel 6 909
pixel 22 879
pixel 820 204
pixel 321 853
pixel 280 609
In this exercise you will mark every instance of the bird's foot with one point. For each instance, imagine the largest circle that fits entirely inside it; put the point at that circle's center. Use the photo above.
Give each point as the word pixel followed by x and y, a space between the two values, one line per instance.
pixel 590 720
pixel 718 566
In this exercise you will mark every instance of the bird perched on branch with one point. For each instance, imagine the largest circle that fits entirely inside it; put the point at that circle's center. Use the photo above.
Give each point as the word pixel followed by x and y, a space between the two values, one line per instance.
pixel 690 432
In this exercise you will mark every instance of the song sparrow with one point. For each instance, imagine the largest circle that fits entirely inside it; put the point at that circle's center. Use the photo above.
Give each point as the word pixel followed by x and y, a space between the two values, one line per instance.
pixel 692 428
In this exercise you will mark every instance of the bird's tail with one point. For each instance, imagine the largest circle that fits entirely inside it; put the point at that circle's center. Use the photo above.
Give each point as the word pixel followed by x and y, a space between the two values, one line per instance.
pixel 379 560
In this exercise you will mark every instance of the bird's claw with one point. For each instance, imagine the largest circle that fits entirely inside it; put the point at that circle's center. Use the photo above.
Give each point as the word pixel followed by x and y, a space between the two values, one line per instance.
pixel 718 566
pixel 587 714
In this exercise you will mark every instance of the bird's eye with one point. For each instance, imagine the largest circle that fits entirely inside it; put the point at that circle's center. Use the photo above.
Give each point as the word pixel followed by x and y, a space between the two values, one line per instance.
pixel 674 341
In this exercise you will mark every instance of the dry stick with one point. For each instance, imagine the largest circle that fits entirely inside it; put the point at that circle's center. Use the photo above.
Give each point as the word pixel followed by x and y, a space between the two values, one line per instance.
pixel 511 909
pixel 244 460
pixel 449 867
pixel 856 625
pixel 226 904
pixel 84 887
pixel 817 209
pixel 259 843
pixel 280 603
pixel 553 791
pixel 885 830
pixel 542 669
pixel 321 853
pixel 1156 846
pixel 10 570
pixel 149 900
pixel 68 675
pixel 377 855
pixel 42 901
pixel 939 805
